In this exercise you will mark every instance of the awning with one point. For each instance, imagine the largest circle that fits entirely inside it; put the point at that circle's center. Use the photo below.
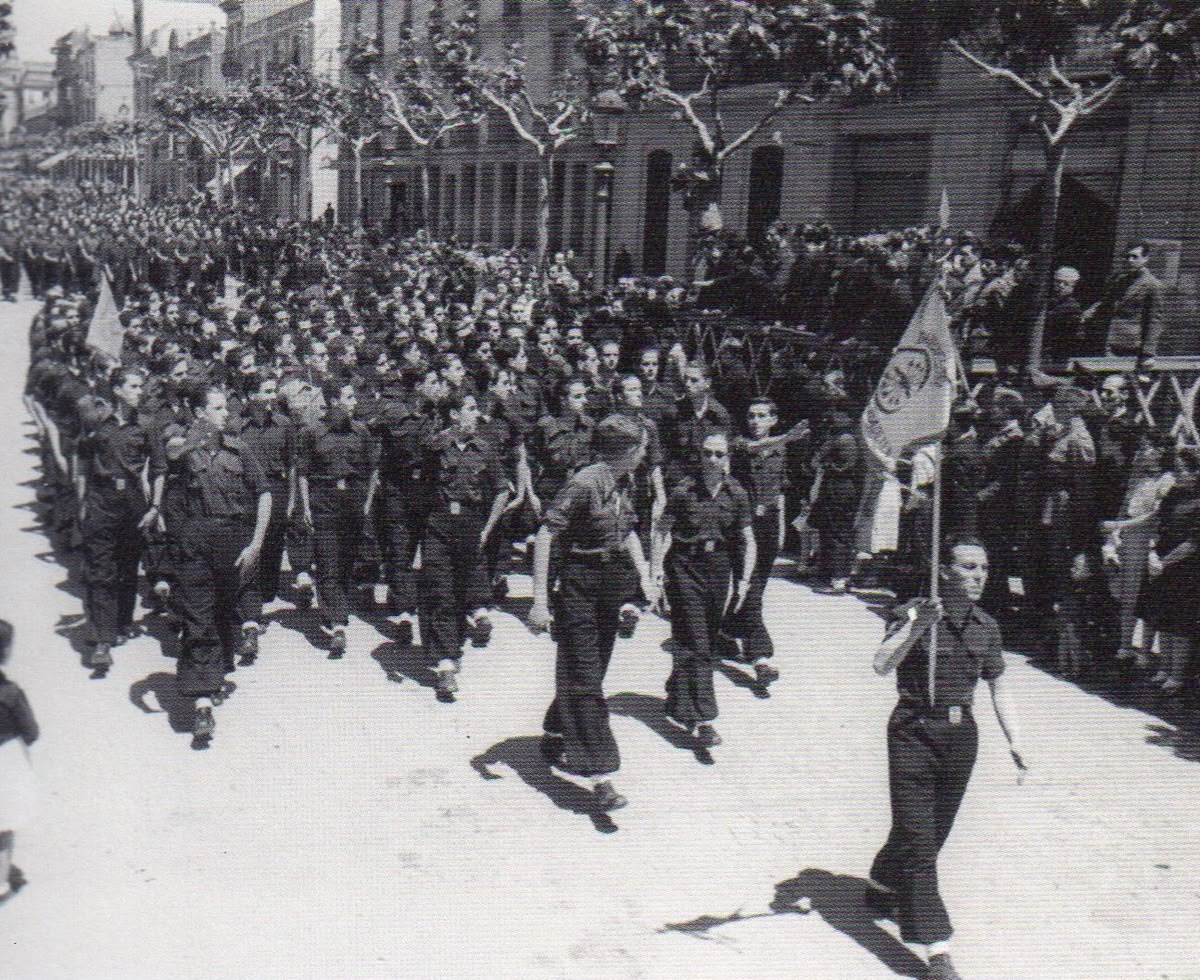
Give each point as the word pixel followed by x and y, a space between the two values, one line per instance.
pixel 51 161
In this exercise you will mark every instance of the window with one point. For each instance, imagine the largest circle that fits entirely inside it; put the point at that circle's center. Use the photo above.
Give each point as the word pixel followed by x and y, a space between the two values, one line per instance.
pixel 487 203
pixel 890 177
pixel 435 200
pixel 560 52
pixel 656 220
pixel 467 199
pixel 579 207
pixel 510 22
pixel 766 191
pixel 506 232
pixel 558 204
pixel 449 222
pixel 529 205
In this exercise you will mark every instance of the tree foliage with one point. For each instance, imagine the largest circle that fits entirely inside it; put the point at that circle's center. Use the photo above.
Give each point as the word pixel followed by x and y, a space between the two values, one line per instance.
pixel 431 94
pixel 687 54
pixel 1159 40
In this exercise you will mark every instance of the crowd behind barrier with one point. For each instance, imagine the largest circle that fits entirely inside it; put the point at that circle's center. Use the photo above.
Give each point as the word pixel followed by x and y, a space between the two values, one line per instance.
pixel 339 355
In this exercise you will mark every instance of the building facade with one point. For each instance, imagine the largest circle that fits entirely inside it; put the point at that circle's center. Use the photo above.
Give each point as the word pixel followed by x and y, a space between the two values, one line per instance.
pixel 93 75
pixel 264 38
pixel 27 96
pixel 172 164
pixel 1132 172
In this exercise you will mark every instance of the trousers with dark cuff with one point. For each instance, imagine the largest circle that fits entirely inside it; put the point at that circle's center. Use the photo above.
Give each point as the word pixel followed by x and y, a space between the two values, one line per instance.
pixel 112 547
pixel 587 606
pixel 697 588
pixel 931 753
pixel 214 599
pixel 454 581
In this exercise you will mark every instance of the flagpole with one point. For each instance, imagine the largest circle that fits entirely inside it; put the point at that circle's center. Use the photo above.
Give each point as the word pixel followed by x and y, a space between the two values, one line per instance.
pixel 935 537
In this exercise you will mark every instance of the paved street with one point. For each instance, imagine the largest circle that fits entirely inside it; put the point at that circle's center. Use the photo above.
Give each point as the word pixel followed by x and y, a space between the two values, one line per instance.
pixel 344 824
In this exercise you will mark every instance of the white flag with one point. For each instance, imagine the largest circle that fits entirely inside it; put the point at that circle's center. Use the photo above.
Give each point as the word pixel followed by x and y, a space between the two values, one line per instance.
pixel 105 332
pixel 232 298
pixel 911 404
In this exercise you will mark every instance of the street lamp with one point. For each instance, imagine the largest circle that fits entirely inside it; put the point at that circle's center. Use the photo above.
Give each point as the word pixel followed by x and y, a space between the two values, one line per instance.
pixel 608 112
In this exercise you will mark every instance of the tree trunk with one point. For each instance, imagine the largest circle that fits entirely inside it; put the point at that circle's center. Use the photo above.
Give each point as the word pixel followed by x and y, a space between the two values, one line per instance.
pixel 233 196
pixel 545 170
pixel 1051 195
pixel 218 173
pixel 137 173
pixel 356 195
pixel 426 189
pixel 704 217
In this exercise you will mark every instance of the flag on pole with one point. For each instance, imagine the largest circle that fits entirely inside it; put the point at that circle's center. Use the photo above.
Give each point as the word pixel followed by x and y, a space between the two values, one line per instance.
pixel 944 210
pixel 105 332
pixel 911 404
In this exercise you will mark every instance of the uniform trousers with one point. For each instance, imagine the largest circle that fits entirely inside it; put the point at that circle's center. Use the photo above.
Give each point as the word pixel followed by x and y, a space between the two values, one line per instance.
pixel 402 520
pixel 697 588
pixel 271 559
pixel 748 623
pixel 112 547
pixel 587 606
pixel 337 535
pixel 929 765
pixel 453 579
pixel 161 551
pixel 213 598
pixel 10 277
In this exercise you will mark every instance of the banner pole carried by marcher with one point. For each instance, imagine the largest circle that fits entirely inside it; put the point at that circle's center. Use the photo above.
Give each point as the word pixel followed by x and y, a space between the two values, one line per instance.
pixel 911 408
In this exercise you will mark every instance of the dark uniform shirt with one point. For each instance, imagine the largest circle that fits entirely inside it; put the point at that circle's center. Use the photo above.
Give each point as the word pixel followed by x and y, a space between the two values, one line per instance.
pixel 594 511
pixel 689 430
pixel 342 453
pixel 699 516
pixel 762 471
pixel 222 477
pixel 562 446
pixel 116 452
pixel 402 427
pixel 464 472
pixel 271 437
pixel 965 653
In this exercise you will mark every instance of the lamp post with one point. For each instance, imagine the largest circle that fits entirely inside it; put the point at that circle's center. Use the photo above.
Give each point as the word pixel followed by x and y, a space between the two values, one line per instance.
pixel 608 112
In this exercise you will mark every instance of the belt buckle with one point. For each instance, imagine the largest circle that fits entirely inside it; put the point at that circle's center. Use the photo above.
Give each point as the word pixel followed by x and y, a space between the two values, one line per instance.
pixel 455 508
pixel 119 482
pixel 710 545
pixel 954 715
pixel 760 510
pixel 341 483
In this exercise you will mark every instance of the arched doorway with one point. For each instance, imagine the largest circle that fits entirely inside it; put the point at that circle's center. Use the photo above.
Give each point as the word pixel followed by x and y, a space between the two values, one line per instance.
pixel 657 219
pixel 1085 236
pixel 766 191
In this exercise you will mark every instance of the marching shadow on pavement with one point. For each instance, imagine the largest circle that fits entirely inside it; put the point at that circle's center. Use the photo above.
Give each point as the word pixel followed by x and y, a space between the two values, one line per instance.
pixel 1186 744
pixel 180 710
pixel 739 678
pixel 166 630
pixel 523 755
pixel 405 660
pixel 838 899
pixel 651 712
pixel 306 622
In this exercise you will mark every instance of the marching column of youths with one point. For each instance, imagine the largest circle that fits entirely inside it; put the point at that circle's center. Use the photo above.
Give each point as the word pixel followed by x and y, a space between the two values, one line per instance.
pixel 426 417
